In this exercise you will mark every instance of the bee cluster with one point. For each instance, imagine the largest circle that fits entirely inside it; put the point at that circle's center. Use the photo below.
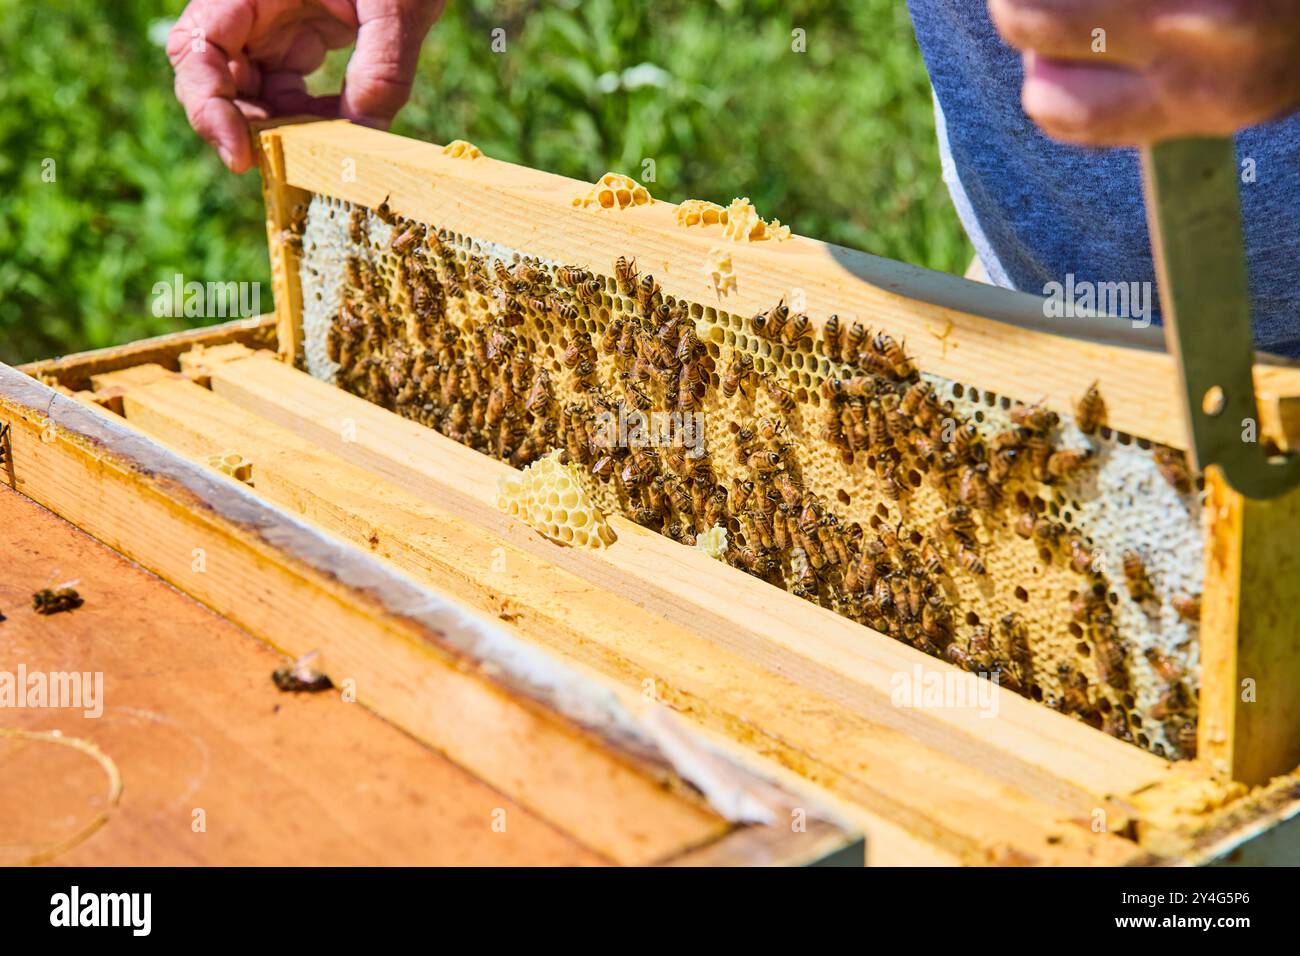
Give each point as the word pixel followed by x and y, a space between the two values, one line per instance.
pixel 838 469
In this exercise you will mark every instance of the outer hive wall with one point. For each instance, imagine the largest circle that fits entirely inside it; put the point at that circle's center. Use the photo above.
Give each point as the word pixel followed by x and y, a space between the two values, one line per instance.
pixel 415 332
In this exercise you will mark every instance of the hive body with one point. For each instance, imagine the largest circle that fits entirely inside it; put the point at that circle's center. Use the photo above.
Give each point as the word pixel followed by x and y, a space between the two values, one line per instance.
pixel 909 503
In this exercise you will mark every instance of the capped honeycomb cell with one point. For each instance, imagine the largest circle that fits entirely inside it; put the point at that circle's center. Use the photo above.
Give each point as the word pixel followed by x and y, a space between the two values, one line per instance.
pixel 548 496
pixel 740 221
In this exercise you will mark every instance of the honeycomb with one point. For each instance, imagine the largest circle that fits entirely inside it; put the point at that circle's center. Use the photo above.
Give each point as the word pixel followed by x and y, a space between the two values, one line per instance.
pixel 615 191
pixel 548 495
pixel 713 542
pixel 233 464
pixel 740 221
pixel 461 149
pixel 1042 550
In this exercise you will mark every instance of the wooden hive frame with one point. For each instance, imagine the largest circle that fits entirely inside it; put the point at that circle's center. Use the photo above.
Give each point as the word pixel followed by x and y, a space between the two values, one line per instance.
pixel 759 670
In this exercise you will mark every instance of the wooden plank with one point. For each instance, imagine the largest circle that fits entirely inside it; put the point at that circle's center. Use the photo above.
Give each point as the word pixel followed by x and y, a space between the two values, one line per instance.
pixel 280 199
pixel 965 331
pixel 217 767
pixel 818 649
pixel 906 783
pixel 536 731
pixel 1250 644
pixel 74 371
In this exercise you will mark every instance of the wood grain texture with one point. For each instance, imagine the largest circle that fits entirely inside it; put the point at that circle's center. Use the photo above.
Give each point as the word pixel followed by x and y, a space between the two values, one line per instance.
pixel 280 199
pixel 74 371
pixel 537 732
pixel 965 331
pixel 1250 645
pixel 192 721
pixel 879 767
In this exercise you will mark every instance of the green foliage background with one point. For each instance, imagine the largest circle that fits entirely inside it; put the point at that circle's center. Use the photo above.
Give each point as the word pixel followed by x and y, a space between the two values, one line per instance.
pixel 837 141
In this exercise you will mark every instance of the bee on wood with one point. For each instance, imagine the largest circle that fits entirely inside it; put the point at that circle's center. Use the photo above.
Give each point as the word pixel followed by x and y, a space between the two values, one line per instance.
pixel 780 397
pixel 1172 465
pixel 407 239
pixel 1135 576
pixel 833 338
pixel 55 600
pixel 1116 724
pixel 796 330
pixel 626 275
pixel 1188 607
pixel 301 676
pixel 1090 411
pixel 1035 417
pixel 1065 464
pixel 385 213
pixel 1004 676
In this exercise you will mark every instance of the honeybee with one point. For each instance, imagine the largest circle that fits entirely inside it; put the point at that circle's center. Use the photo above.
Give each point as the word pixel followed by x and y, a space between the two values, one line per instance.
pixel 833 338
pixel 776 320
pixel 734 380
pixel 626 275
pixel 975 488
pixel 539 399
pixel 780 397
pixel 1135 575
pixel 890 484
pixel 1116 724
pixel 590 290
pixel 385 213
pixel 1081 557
pixel 857 334
pixel 1084 604
pixel 796 330
pixel 603 466
pixel 765 461
pixel 1110 659
pixel 1182 733
pixel 1173 468
pixel 969 559
pixel 1090 411
pixel 301 677
pixel 406 240
pixel 958 523
pixel 1173 700
pixel 1016 634
pixel 936 619
pixel 357 226
pixel 571 277
pixel 1040 454
pixel 1188 607
pixel 807 584
pixel 1074 691
pixel 688 347
pixel 63 597
pixel 899 364
pixel 1064 464
pixel 1035 416
pixel 1168 669
pixel 878 430
pixel 646 290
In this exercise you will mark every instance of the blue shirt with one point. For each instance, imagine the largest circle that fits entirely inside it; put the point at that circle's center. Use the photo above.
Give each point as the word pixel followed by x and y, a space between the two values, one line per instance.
pixel 1039 211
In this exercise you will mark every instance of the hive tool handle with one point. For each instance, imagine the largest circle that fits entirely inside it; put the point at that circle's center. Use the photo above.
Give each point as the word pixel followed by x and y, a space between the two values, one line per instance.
pixel 1194 214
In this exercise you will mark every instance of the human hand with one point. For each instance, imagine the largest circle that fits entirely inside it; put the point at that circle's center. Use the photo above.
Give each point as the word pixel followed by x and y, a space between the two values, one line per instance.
pixel 237 60
pixel 1162 69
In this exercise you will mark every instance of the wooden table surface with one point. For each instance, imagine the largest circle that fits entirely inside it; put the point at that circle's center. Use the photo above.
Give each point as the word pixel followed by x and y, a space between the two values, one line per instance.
pixel 216 766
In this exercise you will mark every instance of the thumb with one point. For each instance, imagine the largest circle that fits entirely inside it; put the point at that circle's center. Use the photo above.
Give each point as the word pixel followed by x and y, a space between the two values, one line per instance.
pixel 382 69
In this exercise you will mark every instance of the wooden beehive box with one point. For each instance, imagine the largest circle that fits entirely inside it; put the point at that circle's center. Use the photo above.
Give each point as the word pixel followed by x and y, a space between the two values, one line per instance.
pixel 790 670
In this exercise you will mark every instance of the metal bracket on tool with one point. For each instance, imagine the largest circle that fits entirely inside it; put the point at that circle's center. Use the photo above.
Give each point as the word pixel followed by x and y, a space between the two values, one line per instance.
pixel 1194 212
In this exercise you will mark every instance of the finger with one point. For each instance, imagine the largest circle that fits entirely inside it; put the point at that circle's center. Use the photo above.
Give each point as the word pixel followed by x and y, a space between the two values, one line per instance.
pixel 1094 105
pixel 1111 30
pixel 382 68
pixel 197 48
